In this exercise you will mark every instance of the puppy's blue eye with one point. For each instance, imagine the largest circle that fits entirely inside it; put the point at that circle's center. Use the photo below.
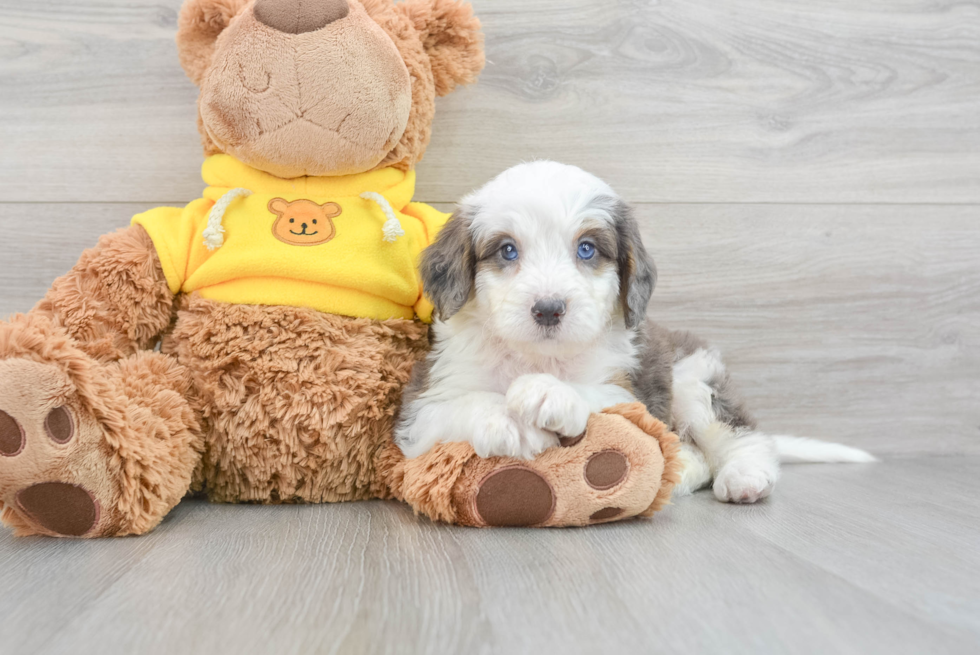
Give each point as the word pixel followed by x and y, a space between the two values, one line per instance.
pixel 586 250
pixel 509 252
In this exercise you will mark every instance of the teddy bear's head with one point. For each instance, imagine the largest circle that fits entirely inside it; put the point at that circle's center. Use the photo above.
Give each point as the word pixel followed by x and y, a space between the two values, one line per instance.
pixel 325 87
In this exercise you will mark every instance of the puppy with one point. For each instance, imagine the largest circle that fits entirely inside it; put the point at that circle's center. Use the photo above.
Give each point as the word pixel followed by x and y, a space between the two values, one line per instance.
pixel 541 283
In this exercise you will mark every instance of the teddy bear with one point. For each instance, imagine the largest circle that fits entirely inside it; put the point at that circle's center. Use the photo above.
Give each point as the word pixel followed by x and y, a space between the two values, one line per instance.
pixel 254 344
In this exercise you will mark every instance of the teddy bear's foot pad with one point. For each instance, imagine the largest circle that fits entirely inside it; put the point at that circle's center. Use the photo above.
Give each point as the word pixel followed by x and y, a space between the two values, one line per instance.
pixel 60 508
pixel 606 469
pixel 515 497
pixel 12 437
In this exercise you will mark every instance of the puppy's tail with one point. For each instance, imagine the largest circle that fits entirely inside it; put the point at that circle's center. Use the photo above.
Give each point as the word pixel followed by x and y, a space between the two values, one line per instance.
pixel 800 450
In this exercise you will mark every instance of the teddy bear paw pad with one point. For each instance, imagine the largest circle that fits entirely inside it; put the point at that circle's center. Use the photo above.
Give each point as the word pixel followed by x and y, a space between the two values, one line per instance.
pixel 60 508
pixel 12 437
pixel 515 497
pixel 59 425
pixel 606 469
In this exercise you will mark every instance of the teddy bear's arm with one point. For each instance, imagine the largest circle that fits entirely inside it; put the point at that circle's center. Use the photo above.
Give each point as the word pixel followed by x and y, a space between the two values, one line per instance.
pixel 115 300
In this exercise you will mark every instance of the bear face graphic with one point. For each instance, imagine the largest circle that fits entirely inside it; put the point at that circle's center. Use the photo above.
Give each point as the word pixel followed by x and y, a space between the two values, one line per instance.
pixel 303 222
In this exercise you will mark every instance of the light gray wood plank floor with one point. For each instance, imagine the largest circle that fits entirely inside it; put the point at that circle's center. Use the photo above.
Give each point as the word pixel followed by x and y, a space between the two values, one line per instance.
pixel 875 558
pixel 808 179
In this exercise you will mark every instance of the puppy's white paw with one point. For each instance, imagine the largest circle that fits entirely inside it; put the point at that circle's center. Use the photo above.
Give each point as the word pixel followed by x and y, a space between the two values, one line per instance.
pixel 742 481
pixel 497 436
pixel 535 441
pixel 500 435
pixel 543 401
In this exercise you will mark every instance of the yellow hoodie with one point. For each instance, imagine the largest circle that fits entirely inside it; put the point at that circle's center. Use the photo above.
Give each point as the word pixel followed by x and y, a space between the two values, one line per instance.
pixel 343 245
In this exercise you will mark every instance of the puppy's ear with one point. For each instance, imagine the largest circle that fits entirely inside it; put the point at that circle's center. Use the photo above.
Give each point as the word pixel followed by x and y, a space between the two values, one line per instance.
pixel 637 272
pixel 448 266
pixel 199 25
pixel 451 37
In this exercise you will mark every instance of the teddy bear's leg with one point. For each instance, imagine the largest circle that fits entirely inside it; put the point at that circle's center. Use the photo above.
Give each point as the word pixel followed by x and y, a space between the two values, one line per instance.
pixel 624 466
pixel 97 437
pixel 90 449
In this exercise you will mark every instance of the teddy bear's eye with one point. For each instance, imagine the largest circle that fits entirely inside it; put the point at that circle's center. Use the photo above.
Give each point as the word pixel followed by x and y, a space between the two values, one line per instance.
pixel 292 220
pixel 314 221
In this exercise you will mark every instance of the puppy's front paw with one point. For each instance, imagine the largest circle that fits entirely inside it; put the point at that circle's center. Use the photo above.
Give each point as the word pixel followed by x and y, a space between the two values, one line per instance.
pixel 743 482
pixel 543 401
pixel 501 435
pixel 498 436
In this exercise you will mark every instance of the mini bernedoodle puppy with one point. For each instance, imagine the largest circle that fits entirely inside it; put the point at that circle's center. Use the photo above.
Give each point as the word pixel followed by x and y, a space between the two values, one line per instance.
pixel 541 284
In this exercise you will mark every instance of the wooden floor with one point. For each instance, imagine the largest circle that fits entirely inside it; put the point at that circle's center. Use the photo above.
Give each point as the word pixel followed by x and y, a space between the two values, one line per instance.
pixel 808 179
pixel 843 559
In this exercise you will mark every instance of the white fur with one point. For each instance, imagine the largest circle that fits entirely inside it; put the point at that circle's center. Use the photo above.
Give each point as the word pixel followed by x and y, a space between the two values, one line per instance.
pixel 799 450
pixel 547 403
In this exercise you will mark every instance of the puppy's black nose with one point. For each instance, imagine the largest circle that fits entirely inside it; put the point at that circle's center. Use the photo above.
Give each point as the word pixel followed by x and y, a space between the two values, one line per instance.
pixel 300 16
pixel 548 312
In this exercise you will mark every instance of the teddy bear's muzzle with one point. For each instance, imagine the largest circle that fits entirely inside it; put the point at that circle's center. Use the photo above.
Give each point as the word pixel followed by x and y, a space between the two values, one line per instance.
pixel 300 16
pixel 334 101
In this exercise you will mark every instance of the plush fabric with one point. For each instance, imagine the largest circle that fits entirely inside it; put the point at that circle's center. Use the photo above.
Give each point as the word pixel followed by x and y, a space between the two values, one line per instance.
pixel 297 403
pixel 451 38
pixel 670 450
pixel 436 67
pixel 355 273
pixel 115 301
pixel 342 114
pixel 300 16
pixel 199 25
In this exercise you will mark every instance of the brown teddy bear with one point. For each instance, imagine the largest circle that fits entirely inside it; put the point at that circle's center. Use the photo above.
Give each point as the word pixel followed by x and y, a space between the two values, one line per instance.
pixel 255 343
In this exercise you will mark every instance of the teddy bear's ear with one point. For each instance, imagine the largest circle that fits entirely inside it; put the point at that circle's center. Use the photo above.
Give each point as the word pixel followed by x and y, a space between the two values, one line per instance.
pixel 451 37
pixel 200 23
pixel 278 206
pixel 331 210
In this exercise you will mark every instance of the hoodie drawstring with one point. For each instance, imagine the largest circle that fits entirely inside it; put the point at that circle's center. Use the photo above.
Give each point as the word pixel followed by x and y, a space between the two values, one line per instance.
pixel 214 233
pixel 393 227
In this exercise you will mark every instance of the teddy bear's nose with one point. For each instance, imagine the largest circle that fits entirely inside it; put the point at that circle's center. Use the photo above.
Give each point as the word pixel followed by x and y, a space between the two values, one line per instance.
pixel 299 16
